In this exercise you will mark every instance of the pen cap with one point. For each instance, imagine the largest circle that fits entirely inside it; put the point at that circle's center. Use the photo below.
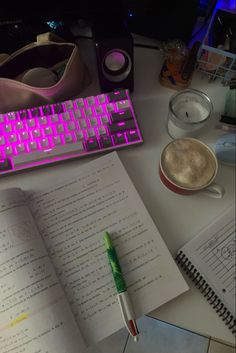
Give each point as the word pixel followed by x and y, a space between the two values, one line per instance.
pixel 115 265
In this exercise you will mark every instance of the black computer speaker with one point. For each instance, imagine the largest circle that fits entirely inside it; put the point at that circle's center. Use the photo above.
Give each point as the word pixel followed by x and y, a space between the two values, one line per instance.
pixel 114 54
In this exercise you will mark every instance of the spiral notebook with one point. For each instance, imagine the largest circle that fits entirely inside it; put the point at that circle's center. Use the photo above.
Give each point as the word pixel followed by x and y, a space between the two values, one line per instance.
pixel 209 260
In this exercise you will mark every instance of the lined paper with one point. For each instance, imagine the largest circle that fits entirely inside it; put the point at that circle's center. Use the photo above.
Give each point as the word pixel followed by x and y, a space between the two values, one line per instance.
pixel 212 252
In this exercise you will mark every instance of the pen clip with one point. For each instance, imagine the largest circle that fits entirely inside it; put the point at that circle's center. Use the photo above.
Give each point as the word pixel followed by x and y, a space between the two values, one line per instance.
pixel 127 313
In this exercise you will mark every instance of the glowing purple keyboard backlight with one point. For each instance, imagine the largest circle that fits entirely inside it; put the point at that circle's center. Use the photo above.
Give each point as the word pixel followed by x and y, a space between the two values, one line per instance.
pixel 74 128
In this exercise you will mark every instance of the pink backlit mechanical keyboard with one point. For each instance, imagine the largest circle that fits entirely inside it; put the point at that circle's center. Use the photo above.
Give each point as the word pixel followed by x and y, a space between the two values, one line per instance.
pixel 74 128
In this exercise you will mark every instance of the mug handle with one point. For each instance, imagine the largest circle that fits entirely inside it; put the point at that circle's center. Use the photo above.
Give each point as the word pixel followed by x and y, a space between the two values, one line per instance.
pixel 214 190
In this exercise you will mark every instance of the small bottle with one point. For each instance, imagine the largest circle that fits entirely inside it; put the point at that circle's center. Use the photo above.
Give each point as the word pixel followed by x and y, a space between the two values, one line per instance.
pixel 228 119
pixel 230 102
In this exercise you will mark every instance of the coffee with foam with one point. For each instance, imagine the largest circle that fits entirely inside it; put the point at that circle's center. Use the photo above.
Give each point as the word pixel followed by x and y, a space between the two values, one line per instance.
pixel 188 163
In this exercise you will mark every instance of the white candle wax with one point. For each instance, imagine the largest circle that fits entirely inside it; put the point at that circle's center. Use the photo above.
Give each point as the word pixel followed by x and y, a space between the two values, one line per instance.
pixel 179 132
pixel 190 111
pixel 190 117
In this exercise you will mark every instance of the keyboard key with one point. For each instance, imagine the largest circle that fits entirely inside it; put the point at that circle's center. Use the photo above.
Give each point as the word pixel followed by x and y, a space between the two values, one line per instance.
pixel 12 138
pixel 105 141
pixel 31 123
pixel 77 114
pixel 110 108
pixel 43 120
pixel 5 164
pixel 121 126
pixel 117 96
pixel 83 123
pixel 47 109
pixel 68 138
pixel 35 112
pixel 93 121
pixel 11 116
pixel 58 108
pixel 44 143
pixel 8 128
pixel 119 139
pixel 57 140
pixel 132 135
pixel 104 119
pixel 69 105
pixel 8 150
pixel 122 105
pixel 60 128
pixel 23 114
pixel 99 110
pixel 24 135
pixel 65 116
pixel 91 100
pixel 54 118
pixel 59 151
pixel 92 144
pixel 79 102
pixel 71 126
pixel 115 117
pixel 101 98
pixel 88 112
pixel 91 132
pixel 102 130
pixel 79 135
pixel 32 145
pixel 36 133
pixel 47 131
pixel 20 148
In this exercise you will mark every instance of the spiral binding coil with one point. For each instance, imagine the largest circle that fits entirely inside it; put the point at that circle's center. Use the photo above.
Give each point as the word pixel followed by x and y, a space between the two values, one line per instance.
pixel 207 291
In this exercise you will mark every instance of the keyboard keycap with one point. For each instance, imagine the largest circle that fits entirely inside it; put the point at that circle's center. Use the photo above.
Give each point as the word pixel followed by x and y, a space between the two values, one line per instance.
pixel 105 141
pixel 63 150
pixel 119 139
pixel 117 96
pixel 5 164
pixel 132 135
pixel 121 126
pixel 122 105
pixel 115 117
pixel 92 144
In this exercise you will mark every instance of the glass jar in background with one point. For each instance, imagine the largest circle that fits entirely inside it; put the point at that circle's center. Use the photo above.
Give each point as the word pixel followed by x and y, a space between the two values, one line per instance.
pixel 176 54
pixel 179 64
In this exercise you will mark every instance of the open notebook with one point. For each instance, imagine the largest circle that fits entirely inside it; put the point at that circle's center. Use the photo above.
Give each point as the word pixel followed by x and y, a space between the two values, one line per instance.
pixel 209 260
pixel 57 293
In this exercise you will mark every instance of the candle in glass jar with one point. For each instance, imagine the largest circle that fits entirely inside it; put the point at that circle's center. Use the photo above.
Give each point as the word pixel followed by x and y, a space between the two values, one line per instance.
pixel 189 111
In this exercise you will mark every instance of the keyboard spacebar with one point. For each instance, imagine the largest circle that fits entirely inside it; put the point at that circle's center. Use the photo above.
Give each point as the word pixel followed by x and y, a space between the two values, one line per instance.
pixel 37 156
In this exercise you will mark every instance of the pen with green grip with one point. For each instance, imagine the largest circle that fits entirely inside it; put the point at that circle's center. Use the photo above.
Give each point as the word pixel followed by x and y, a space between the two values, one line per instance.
pixel 122 294
pixel 115 265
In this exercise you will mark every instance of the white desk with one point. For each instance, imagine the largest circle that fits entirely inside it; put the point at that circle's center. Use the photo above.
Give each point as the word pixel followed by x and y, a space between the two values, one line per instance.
pixel 178 218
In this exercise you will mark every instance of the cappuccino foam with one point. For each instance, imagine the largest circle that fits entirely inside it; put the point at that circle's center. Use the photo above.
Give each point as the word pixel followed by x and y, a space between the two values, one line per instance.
pixel 188 163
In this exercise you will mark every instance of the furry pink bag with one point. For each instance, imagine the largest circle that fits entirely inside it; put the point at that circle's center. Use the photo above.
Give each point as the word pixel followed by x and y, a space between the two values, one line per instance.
pixel 57 65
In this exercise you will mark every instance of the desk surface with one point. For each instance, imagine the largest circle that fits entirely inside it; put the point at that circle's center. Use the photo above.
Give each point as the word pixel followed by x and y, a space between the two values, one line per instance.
pixel 178 218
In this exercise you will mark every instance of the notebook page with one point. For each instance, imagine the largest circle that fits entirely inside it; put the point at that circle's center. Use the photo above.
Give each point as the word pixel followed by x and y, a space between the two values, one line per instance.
pixel 212 252
pixel 72 218
pixel 34 314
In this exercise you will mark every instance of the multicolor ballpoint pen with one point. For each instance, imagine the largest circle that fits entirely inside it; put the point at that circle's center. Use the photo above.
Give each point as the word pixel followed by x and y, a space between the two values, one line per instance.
pixel 123 298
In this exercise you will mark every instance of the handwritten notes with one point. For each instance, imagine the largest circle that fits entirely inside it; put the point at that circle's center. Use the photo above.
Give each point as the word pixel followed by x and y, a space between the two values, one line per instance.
pixel 213 252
